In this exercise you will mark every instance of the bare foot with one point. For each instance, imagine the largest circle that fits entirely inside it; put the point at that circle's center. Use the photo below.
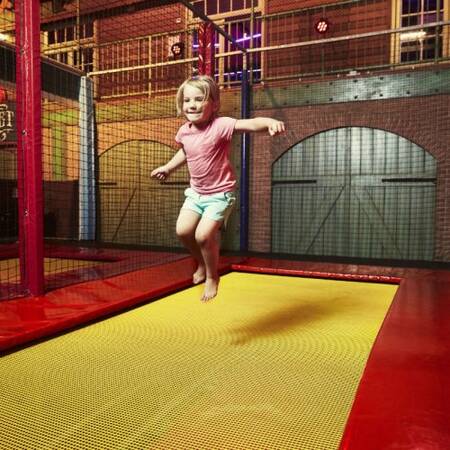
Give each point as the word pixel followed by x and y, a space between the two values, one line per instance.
pixel 210 291
pixel 199 275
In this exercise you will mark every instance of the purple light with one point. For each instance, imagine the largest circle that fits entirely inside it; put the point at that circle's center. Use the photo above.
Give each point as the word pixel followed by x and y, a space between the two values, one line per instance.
pixel 246 38
pixel 240 72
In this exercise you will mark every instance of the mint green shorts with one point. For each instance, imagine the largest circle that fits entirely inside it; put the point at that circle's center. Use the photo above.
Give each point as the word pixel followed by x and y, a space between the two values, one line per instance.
pixel 215 206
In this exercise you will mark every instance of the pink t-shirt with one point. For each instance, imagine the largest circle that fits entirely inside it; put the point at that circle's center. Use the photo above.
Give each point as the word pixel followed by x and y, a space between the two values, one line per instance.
pixel 207 154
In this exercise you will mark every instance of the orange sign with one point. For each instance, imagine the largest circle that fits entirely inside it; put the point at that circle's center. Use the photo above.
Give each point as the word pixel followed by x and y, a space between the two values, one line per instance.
pixel 5 4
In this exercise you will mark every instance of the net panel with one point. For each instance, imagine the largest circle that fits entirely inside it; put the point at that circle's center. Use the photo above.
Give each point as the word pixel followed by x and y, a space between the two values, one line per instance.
pixel 358 174
pixel 102 135
pixel 122 127
pixel 9 271
pixel 361 85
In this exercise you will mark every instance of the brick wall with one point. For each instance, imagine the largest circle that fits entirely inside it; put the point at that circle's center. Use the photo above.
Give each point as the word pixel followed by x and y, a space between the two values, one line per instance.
pixel 335 56
pixel 422 120
pixel 142 23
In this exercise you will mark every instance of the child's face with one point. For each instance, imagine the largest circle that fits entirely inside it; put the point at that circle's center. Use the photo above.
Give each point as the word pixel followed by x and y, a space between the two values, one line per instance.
pixel 197 110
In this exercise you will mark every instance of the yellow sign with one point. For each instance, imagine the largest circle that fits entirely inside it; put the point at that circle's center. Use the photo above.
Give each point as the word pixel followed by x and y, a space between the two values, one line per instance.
pixel 7 122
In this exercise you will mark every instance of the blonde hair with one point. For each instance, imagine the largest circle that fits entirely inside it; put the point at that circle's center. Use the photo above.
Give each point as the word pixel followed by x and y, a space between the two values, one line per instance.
pixel 205 84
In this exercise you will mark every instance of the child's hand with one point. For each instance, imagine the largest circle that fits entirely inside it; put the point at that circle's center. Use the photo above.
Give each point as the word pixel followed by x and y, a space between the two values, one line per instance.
pixel 276 127
pixel 161 173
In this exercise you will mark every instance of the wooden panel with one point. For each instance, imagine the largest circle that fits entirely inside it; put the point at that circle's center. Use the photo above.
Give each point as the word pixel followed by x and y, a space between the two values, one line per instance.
pixel 355 192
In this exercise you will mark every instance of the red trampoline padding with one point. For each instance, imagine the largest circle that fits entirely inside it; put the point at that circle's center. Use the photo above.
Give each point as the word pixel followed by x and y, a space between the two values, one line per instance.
pixel 318 274
pixel 403 399
pixel 26 319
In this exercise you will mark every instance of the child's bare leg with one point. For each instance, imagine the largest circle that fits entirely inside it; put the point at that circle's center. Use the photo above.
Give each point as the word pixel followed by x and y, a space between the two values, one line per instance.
pixel 206 236
pixel 186 225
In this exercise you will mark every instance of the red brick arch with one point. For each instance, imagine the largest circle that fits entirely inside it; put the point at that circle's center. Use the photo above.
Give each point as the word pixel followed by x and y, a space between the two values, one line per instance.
pixel 422 120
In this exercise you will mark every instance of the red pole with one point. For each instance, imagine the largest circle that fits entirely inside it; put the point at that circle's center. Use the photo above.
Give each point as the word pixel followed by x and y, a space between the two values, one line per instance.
pixel 29 146
pixel 206 49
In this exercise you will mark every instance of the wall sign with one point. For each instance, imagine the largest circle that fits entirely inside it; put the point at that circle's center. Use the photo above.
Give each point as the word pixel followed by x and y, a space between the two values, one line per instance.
pixel 8 122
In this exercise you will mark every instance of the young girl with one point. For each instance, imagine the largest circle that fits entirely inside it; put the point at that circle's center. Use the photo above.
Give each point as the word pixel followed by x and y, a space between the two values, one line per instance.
pixel 205 146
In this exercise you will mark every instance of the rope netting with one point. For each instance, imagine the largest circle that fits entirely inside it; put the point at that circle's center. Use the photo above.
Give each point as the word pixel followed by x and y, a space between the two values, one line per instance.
pixel 362 87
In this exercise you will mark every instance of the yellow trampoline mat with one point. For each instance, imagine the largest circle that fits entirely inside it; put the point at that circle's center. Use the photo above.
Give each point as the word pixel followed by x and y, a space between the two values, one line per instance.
pixel 272 363
pixel 10 271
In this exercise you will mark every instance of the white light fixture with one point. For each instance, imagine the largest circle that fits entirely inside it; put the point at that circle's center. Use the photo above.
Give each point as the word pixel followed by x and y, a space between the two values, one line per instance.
pixel 322 25
pixel 413 35
pixel 4 37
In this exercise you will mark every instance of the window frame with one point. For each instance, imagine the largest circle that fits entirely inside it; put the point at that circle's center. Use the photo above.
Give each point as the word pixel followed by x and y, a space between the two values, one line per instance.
pixel 225 20
pixel 232 13
pixel 396 49
pixel 72 52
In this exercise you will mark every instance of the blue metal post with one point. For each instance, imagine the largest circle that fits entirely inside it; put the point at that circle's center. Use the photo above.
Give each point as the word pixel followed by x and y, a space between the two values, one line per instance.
pixel 87 162
pixel 245 157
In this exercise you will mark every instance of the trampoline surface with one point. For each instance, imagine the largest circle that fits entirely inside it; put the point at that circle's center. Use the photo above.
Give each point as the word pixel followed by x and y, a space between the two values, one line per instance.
pixel 10 270
pixel 65 265
pixel 272 362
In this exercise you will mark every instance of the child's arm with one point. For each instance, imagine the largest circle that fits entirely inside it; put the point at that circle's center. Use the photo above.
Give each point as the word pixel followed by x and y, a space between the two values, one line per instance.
pixel 260 124
pixel 162 172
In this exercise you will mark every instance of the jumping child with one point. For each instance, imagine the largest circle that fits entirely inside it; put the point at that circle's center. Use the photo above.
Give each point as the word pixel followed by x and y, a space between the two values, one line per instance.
pixel 205 146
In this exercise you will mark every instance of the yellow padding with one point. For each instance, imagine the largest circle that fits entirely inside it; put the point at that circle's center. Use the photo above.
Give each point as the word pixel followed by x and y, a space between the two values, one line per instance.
pixel 272 363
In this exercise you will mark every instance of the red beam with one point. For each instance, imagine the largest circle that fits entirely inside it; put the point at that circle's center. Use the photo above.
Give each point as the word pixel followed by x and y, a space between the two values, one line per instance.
pixel 206 49
pixel 29 146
